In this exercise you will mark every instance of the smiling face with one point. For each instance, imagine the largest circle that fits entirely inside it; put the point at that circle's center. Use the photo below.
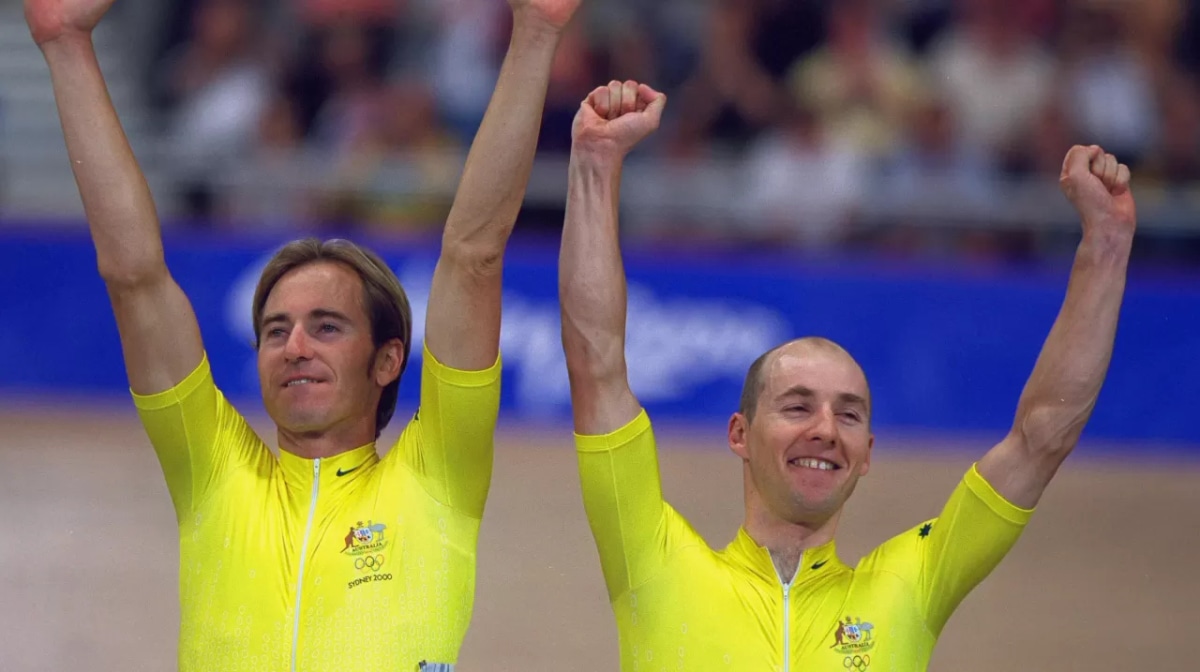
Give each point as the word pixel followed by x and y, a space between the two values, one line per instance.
pixel 806 439
pixel 316 359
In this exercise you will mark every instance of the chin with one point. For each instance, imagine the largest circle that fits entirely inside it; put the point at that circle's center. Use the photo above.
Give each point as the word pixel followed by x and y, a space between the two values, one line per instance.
pixel 808 506
pixel 301 420
pixel 819 511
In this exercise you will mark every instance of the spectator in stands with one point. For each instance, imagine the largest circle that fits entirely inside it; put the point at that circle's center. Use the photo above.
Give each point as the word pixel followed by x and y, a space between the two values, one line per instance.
pixel 327 13
pixel 931 167
pixel 738 85
pixel 465 60
pixel 994 75
pixel 1175 158
pixel 933 92
pixel 343 48
pixel 267 189
pixel 355 89
pixel 572 76
pixel 400 174
pixel 800 184
pixel 1038 155
pixel 1109 83
pixel 216 84
pixel 862 83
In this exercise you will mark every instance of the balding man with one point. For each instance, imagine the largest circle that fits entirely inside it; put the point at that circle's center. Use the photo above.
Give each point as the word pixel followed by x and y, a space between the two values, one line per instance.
pixel 778 597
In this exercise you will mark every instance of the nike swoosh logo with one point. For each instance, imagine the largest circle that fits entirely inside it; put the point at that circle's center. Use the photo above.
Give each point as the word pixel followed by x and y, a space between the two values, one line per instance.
pixel 343 472
pixel 818 565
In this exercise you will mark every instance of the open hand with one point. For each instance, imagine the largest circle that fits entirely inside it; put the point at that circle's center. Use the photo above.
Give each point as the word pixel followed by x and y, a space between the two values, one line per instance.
pixel 615 118
pixel 1098 186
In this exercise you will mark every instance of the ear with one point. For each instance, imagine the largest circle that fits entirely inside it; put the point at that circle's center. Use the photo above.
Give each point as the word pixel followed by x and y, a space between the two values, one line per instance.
pixel 866 465
pixel 739 435
pixel 389 359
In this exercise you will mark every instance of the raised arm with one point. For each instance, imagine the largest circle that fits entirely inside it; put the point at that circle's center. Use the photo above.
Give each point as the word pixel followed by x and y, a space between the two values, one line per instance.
pixel 159 333
pixel 462 325
pixel 634 528
pixel 1062 390
pixel 592 288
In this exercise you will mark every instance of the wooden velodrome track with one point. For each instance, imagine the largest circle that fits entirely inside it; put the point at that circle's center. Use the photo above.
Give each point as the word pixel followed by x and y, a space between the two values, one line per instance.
pixel 1103 579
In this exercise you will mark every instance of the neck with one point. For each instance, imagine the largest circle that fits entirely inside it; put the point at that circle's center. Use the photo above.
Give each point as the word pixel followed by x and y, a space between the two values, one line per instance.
pixel 326 443
pixel 784 540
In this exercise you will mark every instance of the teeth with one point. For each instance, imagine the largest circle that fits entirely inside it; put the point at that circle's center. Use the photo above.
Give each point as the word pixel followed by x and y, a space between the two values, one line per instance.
pixel 301 382
pixel 814 463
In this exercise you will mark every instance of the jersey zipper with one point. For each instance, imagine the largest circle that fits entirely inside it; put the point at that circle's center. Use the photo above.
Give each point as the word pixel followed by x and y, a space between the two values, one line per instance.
pixel 787 630
pixel 787 614
pixel 312 507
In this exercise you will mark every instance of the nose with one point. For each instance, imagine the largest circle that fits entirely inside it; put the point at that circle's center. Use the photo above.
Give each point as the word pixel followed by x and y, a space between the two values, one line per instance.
pixel 298 345
pixel 823 427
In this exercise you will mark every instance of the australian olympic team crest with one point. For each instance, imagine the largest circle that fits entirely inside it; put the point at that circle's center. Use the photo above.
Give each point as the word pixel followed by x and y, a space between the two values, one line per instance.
pixel 854 638
pixel 366 543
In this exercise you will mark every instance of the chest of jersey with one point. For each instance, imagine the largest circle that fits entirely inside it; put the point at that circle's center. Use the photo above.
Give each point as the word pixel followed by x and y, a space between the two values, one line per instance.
pixel 360 570
pixel 710 616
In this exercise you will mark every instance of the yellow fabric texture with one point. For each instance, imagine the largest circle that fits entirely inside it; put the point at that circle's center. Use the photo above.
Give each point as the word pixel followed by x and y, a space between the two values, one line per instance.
pixel 347 562
pixel 681 605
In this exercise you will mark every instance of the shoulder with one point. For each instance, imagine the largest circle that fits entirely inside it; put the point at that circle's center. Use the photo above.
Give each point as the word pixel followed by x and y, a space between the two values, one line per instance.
pixel 902 553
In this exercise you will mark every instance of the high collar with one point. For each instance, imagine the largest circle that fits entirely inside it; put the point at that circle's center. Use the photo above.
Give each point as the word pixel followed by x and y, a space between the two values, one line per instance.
pixel 341 469
pixel 814 562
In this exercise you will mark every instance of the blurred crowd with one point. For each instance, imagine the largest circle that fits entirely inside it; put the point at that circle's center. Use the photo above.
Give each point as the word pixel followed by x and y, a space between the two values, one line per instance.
pixel 819 106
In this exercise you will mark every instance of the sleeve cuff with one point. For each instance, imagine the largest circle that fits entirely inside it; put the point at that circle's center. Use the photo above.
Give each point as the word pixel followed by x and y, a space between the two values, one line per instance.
pixel 171 396
pixel 616 438
pixel 459 377
pixel 994 500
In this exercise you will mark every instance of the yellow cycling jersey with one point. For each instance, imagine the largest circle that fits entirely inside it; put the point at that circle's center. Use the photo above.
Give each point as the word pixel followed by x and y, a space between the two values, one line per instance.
pixel 680 605
pixel 349 562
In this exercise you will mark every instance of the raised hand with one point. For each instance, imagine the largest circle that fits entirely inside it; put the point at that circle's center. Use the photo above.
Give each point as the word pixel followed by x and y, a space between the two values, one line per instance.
pixel 555 14
pixel 1098 186
pixel 613 119
pixel 50 20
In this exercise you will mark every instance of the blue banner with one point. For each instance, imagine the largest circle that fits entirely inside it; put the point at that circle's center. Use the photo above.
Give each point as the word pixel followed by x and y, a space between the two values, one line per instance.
pixel 945 348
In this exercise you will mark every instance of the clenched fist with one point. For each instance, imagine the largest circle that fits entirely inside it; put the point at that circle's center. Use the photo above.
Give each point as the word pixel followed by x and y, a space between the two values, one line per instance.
pixel 555 14
pixel 615 118
pixel 1098 186
pixel 51 19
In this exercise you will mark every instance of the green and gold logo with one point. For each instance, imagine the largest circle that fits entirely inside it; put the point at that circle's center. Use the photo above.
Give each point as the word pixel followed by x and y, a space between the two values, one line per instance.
pixel 853 636
pixel 365 543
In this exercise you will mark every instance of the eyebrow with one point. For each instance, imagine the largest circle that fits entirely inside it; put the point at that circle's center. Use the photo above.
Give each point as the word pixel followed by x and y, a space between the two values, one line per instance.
pixel 844 397
pixel 316 313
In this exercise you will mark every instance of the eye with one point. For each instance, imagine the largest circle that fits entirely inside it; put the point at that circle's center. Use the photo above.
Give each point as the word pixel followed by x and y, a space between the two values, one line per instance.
pixel 275 332
pixel 328 328
pixel 852 416
pixel 796 409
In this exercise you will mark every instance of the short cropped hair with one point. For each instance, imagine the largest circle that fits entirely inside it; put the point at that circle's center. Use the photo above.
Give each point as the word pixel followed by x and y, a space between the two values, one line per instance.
pixel 756 382
pixel 384 299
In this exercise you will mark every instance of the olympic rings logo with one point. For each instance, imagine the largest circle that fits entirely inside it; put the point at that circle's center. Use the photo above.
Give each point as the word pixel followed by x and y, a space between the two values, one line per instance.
pixel 859 663
pixel 369 562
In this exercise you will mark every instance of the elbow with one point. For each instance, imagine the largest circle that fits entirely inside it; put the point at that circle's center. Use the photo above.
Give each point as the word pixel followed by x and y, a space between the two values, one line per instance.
pixel 477 244
pixel 477 257
pixel 594 361
pixel 120 274
pixel 1051 431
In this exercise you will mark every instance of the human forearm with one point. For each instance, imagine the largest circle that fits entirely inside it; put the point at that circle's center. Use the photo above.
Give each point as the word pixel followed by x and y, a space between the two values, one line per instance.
pixel 500 161
pixel 593 294
pixel 116 198
pixel 592 285
pixel 1062 390
pixel 592 281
